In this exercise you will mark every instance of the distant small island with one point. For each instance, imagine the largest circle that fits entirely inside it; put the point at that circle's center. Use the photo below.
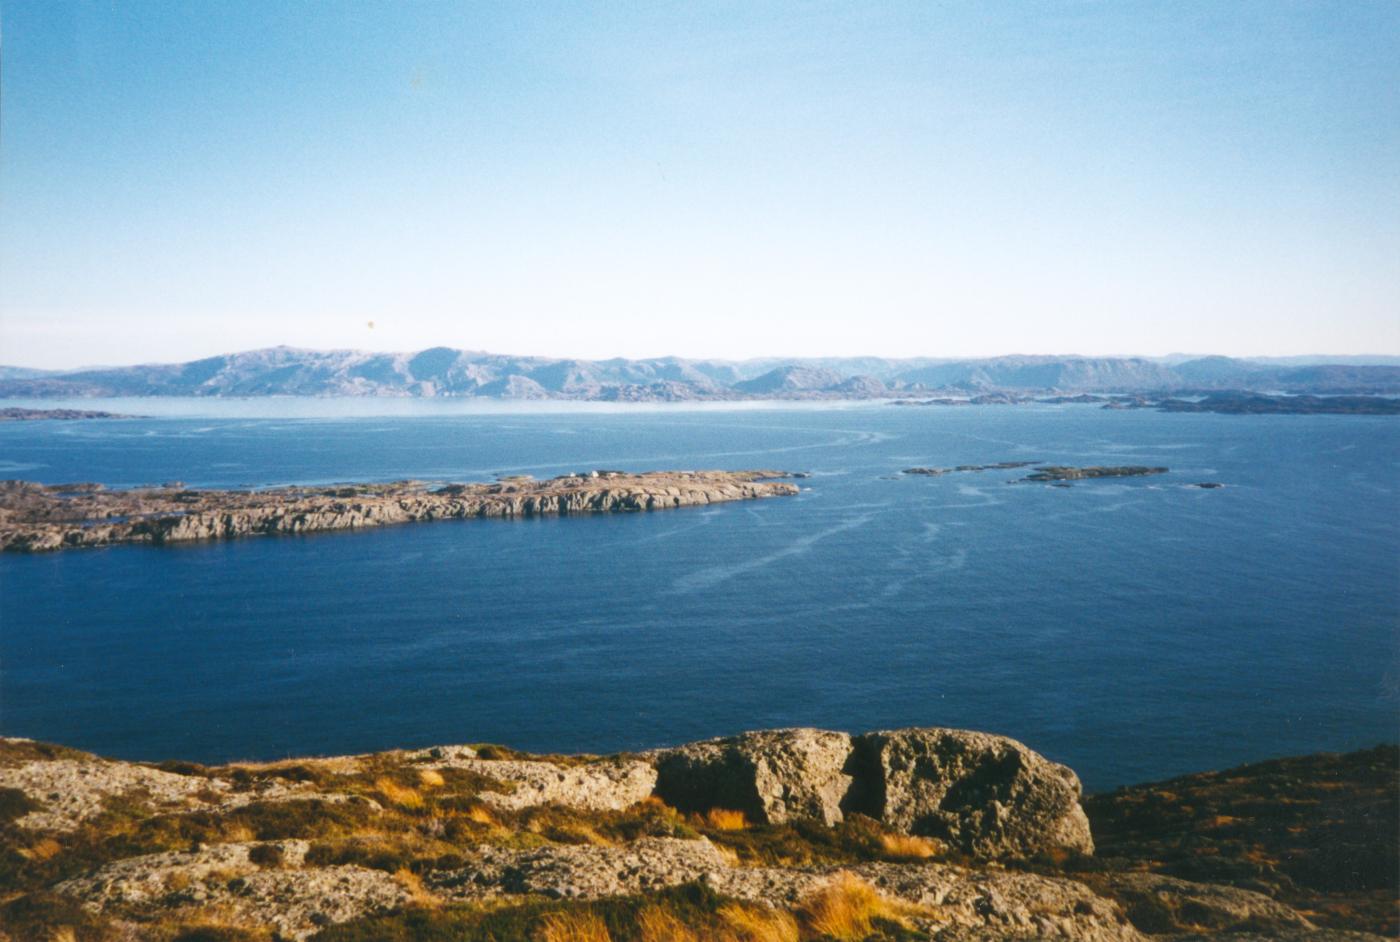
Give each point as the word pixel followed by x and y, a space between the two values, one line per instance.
pixel 13 414
pixel 1049 473
pixel 43 517
pixel 1066 473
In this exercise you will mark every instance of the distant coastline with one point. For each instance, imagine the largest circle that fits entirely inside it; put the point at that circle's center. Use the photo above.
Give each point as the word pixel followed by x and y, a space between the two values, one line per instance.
pixel 446 373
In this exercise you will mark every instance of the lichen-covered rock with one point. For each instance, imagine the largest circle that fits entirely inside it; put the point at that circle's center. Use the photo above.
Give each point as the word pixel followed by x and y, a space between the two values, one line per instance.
pixel 960 903
pixel 773 776
pixel 1156 903
pixel 579 871
pixel 293 900
pixel 954 899
pixel 1284 935
pixel 70 791
pixel 605 785
pixel 986 795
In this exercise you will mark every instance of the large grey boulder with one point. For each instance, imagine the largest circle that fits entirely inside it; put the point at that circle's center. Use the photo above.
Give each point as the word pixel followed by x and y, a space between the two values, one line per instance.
pixel 984 795
pixel 772 776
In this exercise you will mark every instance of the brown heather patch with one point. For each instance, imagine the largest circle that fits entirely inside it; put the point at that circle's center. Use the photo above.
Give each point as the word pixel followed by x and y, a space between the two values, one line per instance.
pixel 1320 832
pixel 21 751
pixel 492 751
pixel 267 856
pixel 802 843
pixel 15 804
pixel 43 916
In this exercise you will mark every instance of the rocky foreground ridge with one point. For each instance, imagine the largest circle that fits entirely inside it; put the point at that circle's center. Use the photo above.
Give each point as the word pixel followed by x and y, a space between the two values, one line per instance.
pixel 774 836
pixel 42 517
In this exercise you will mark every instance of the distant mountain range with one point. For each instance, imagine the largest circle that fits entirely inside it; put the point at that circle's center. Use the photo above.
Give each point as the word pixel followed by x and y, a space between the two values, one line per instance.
pixel 446 372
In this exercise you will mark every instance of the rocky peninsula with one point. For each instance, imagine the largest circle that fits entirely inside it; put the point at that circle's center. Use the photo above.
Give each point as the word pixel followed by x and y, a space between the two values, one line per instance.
pixel 42 517
pixel 775 836
pixel 14 414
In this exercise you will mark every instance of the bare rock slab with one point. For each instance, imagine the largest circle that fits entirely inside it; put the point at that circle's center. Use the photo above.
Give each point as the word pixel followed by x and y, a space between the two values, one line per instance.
pixel 772 776
pixel 985 795
pixel 1157 903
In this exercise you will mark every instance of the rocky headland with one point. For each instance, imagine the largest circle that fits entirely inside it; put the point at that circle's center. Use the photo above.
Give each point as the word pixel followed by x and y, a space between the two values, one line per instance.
pixel 773 836
pixel 41 517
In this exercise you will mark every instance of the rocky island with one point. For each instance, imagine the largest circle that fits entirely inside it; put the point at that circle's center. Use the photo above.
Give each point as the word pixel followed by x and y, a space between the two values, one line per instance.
pixel 1044 474
pixel 1066 473
pixel 963 468
pixel 773 836
pixel 41 517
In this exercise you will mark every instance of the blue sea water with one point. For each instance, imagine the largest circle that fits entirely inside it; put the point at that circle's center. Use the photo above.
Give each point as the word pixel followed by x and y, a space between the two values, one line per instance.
pixel 1132 628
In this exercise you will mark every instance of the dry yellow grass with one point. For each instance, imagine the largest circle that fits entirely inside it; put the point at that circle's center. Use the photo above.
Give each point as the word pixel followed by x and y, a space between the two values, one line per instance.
pixel 63 934
pixel 237 833
pixel 572 926
pixel 579 833
pixel 176 881
pixel 41 850
pixel 481 815
pixel 399 795
pixel 655 924
pixel 725 819
pixel 847 908
pixel 757 924
pixel 418 893
pixel 431 778
pixel 730 855
pixel 909 847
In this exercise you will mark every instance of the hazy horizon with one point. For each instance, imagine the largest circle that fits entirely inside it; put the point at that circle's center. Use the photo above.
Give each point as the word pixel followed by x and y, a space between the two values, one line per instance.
pixel 1174 356
pixel 713 182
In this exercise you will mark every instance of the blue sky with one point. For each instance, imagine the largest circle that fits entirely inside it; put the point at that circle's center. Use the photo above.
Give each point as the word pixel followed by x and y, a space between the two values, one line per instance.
pixel 705 179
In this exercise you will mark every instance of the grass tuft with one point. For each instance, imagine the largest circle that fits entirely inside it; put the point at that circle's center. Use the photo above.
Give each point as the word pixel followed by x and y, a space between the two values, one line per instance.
pixel 756 924
pixel 849 909
pixel 572 926
pixel 725 819
pixel 909 847
pixel 400 796
pixel 655 924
